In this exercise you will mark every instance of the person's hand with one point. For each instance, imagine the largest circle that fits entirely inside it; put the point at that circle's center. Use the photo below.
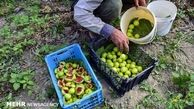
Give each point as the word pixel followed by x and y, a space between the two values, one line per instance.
pixel 120 40
pixel 140 2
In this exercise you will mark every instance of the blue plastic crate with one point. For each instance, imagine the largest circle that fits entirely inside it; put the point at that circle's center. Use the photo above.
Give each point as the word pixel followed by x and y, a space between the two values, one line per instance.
pixel 74 52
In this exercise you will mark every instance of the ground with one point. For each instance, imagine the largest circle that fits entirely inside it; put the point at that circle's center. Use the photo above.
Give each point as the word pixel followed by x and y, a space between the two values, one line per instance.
pixel 32 29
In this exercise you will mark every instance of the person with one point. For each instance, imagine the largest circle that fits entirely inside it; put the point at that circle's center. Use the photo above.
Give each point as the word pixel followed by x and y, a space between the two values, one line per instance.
pixel 96 16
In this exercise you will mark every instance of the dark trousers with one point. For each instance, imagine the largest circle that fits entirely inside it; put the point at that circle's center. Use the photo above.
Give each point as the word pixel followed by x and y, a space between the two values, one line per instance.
pixel 111 9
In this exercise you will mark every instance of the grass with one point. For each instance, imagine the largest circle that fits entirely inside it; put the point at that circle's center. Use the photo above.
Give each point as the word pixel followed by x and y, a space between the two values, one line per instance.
pixel 152 100
pixel 19 36
pixel 28 35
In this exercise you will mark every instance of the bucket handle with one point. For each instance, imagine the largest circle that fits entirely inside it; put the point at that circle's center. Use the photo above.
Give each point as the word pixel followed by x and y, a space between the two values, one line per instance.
pixel 145 10
pixel 164 20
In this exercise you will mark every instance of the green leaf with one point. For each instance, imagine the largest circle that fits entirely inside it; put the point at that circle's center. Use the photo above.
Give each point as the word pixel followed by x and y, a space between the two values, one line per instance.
pixel 9 97
pixel 22 81
pixel 26 72
pixel 26 78
pixel 24 86
pixel 163 66
pixel 30 82
pixel 16 86
pixel 29 93
pixel 109 47
pixel 29 87
pixel 189 103
pixel 175 75
pixel 13 75
pixel 100 51
pixel 192 84
pixel 12 80
pixel 192 77
pixel 191 88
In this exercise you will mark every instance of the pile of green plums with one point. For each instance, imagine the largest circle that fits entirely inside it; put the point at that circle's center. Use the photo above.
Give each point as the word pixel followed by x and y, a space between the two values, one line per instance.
pixel 120 63
pixel 131 27
pixel 139 27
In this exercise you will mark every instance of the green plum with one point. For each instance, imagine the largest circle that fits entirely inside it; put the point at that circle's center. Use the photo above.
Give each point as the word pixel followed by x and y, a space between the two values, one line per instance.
pixel 137 36
pixel 118 69
pixel 129 31
pixel 72 90
pixel 132 66
pixel 133 63
pixel 108 61
pixel 136 23
pixel 111 64
pixel 129 34
pixel 114 60
pixel 124 69
pixel 103 59
pixel 115 69
pixel 120 60
pixel 119 53
pixel 123 57
pixel 116 64
pixel 126 76
pixel 128 66
pixel 74 65
pixel 113 53
pixel 60 74
pixel 104 55
pixel 128 73
pixel 134 71
pixel 114 56
pixel 128 61
pixel 122 64
pixel 131 26
pixel 56 70
pixel 115 49
pixel 88 91
pixel 109 56
pixel 120 74
pixel 139 68
pixel 67 96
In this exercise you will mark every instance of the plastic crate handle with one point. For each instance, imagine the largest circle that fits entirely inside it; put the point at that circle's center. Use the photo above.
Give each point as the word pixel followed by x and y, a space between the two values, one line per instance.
pixel 61 51
pixel 67 49
pixel 75 106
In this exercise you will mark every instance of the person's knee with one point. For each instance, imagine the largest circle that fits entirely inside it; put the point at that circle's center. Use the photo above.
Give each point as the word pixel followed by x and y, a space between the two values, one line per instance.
pixel 115 8
pixel 109 10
